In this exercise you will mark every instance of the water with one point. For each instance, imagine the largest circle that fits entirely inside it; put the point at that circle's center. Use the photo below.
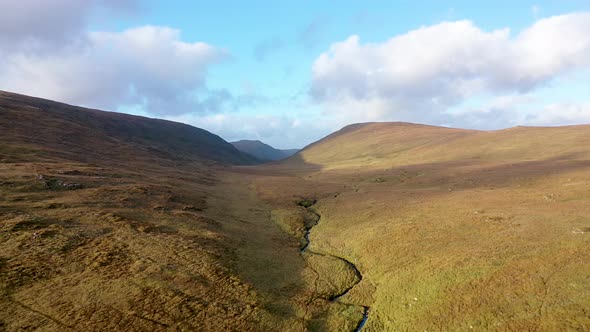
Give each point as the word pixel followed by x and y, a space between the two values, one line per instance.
pixel 366 309
pixel 364 321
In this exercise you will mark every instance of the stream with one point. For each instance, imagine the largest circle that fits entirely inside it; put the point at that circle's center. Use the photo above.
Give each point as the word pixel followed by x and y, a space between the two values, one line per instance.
pixel 366 309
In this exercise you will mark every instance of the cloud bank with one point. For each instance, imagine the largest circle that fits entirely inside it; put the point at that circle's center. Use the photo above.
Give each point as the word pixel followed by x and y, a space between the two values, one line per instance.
pixel 425 72
pixel 43 25
pixel 48 53
pixel 432 75
pixel 451 73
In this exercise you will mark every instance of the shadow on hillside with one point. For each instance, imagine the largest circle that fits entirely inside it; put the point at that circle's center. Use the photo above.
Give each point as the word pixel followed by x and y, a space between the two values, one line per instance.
pixel 473 174
pixel 292 166
pixel 446 175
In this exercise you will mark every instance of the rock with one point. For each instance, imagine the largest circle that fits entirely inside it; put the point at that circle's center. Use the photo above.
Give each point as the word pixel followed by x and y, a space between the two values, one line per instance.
pixel 55 184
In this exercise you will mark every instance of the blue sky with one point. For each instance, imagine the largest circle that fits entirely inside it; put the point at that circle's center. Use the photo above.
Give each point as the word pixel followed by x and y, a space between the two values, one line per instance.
pixel 291 72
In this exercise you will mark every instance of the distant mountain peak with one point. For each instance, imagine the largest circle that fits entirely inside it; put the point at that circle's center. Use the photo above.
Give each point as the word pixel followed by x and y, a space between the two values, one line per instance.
pixel 263 151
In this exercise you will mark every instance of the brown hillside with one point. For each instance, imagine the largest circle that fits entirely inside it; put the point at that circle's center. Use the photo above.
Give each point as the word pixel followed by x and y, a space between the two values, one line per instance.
pixel 111 222
pixel 82 134
pixel 451 230
pixel 388 144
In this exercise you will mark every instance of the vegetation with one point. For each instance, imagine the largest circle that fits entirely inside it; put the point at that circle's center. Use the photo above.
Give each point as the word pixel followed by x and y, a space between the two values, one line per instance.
pixel 146 242
pixel 307 202
pixel 431 228
pixel 477 236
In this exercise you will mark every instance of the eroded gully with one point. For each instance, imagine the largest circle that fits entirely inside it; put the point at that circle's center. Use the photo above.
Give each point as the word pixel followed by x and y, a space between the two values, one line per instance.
pixel 336 297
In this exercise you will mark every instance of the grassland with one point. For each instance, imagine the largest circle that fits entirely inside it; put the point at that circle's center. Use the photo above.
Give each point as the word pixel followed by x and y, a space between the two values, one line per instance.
pixel 131 252
pixel 99 232
pixel 482 236
pixel 433 229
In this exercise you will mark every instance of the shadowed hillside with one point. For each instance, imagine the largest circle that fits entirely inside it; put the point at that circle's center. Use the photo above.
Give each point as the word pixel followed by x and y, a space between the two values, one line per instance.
pixel 263 151
pixel 83 134
pixel 112 222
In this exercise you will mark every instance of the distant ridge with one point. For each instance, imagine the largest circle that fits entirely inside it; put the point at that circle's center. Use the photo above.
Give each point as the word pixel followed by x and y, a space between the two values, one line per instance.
pixel 263 151
pixel 401 143
pixel 77 133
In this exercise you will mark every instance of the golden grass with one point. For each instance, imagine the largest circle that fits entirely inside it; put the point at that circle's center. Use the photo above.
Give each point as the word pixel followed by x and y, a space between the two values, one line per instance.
pixel 380 145
pixel 135 250
pixel 452 230
pixel 452 242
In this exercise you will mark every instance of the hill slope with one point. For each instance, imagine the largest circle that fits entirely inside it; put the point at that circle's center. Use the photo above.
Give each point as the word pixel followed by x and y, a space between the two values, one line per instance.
pixel 110 222
pixel 383 144
pixel 262 151
pixel 451 230
pixel 82 134
pixel 114 222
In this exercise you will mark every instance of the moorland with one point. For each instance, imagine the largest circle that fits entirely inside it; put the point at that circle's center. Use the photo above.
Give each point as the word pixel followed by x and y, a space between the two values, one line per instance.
pixel 113 222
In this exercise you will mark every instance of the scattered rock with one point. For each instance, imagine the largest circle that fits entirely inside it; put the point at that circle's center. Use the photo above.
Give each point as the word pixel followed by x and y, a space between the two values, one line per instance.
pixel 56 184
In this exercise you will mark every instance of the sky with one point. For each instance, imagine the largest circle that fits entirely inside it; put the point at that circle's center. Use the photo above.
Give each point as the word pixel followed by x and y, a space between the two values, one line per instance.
pixel 291 72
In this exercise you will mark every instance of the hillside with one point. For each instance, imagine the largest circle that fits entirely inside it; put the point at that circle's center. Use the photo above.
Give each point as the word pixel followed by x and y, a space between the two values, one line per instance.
pixel 111 222
pixel 450 229
pixel 122 223
pixel 387 144
pixel 84 134
pixel 263 151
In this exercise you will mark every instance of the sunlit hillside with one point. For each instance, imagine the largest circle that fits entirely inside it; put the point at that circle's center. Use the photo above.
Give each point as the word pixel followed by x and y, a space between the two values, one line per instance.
pixel 396 144
pixel 452 230
pixel 115 222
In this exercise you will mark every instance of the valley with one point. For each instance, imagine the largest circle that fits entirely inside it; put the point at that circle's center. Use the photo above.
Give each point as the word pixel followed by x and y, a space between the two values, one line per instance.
pixel 378 227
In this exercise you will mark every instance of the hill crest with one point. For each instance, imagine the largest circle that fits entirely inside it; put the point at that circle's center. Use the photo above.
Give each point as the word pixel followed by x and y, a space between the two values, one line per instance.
pixel 81 133
pixel 401 143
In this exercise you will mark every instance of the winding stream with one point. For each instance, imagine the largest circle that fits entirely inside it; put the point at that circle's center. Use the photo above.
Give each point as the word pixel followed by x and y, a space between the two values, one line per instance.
pixel 366 309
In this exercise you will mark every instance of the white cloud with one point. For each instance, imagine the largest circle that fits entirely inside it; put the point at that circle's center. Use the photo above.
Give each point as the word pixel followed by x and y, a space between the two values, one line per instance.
pixel 501 111
pixel 280 131
pixel 148 65
pixel 562 114
pixel 39 25
pixel 418 76
pixel 47 51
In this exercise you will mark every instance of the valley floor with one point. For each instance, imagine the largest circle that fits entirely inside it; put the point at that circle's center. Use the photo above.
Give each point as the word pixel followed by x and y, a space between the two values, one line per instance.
pixel 134 250
pixel 482 246
pixel 455 247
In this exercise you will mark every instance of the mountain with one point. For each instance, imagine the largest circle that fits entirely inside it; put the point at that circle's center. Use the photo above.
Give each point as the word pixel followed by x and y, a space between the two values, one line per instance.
pixel 113 222
pixel 263 151
pixel 398 143
pixel 447 229
pixel 290 152
pixel 82 134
